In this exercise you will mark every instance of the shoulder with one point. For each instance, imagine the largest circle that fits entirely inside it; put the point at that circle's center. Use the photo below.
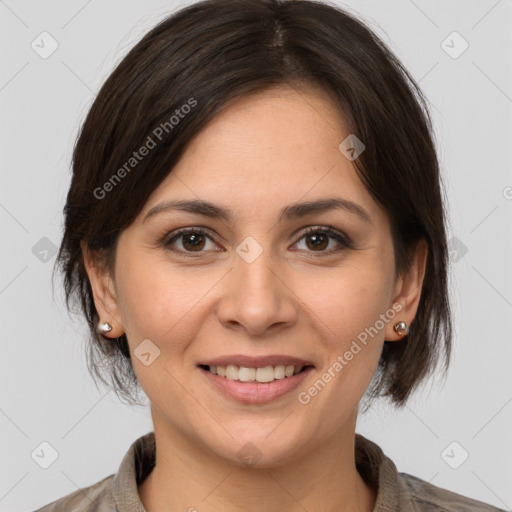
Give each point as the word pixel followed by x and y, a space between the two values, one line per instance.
pixel 398 491
pixel 116 491
pixel 88 499
pixel 424 496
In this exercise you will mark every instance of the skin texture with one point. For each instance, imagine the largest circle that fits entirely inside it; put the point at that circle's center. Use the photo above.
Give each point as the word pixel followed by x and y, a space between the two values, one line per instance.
pixel 259 155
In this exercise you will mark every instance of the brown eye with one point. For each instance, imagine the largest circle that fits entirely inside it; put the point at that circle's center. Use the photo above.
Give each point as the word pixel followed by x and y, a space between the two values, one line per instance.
pixel 191 240
pixel 318 240
pixel 195 240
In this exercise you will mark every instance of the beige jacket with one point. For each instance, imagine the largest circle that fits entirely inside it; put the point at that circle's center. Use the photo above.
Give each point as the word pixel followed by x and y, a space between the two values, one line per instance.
pixel 396 491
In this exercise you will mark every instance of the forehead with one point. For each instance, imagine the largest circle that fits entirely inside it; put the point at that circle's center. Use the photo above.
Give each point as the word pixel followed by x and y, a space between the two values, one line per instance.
pixel 267 150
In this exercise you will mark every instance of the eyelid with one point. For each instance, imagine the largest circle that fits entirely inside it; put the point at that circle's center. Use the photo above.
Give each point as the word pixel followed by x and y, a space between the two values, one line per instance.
pixel 328 230
pixel 174 235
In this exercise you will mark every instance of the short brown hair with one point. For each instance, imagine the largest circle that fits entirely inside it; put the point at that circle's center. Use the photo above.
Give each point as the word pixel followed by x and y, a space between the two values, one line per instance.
pixel 218 51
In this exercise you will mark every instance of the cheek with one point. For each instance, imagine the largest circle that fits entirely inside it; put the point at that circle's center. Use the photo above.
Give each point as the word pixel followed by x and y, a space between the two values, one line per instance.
pixel 162 303
pixel 351 341
pixel 348 300
pixel 167 307
pixel 348 311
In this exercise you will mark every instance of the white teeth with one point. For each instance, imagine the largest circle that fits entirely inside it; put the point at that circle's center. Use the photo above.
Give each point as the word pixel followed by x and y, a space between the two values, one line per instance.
pixel 263 374
pixel 279 372
pixel 232 372
pixel 246 374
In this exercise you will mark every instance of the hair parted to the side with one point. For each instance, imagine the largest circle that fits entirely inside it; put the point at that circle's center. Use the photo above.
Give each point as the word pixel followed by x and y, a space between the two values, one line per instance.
pixel 216 52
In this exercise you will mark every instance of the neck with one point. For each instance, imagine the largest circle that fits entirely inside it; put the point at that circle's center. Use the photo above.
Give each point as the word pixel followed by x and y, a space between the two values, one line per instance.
pixel 192 478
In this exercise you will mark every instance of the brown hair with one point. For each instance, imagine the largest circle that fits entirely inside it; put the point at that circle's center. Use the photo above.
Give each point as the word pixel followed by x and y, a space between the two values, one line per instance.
pixel 212 53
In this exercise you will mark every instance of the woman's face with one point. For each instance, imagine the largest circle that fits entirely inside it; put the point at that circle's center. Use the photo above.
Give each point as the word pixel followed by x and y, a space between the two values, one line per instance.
pixel 257 285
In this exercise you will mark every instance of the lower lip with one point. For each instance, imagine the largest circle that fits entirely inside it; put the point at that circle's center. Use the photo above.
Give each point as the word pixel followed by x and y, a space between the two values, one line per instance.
pixel 256 392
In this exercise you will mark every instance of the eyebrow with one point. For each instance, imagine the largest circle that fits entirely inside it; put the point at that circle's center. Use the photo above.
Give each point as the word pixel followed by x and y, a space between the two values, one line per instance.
pixel 290 212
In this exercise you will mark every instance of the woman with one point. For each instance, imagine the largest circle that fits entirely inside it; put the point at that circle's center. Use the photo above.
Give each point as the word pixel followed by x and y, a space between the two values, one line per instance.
pixel 256 235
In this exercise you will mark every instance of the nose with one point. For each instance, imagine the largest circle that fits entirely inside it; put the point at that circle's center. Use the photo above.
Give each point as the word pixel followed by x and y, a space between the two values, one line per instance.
pixel 257 296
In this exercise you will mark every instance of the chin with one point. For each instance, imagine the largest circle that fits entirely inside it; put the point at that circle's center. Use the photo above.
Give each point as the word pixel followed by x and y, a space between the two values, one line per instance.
pixel 258 451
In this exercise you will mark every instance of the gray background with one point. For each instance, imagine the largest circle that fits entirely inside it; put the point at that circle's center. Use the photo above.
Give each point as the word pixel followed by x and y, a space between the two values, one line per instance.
pixel 46 393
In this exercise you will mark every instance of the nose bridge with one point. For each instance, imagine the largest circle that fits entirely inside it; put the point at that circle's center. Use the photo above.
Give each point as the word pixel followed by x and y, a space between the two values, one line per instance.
pixel 255 273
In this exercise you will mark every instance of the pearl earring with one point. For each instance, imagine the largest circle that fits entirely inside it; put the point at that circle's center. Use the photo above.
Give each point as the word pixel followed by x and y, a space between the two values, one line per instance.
pixel 401 328
pixel 104 328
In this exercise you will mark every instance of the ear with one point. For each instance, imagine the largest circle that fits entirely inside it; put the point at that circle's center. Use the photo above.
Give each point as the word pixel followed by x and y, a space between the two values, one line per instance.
pixel 104 293
pixel 407 291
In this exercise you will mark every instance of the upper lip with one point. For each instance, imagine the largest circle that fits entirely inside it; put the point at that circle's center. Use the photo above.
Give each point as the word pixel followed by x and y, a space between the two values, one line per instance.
pixel 255 362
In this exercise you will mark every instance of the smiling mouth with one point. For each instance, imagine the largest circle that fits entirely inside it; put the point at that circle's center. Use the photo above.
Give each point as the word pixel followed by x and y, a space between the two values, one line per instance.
pixel 261 374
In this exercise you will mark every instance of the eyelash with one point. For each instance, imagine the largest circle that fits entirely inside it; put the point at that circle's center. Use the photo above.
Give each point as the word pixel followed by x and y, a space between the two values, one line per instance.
pixel 343 240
